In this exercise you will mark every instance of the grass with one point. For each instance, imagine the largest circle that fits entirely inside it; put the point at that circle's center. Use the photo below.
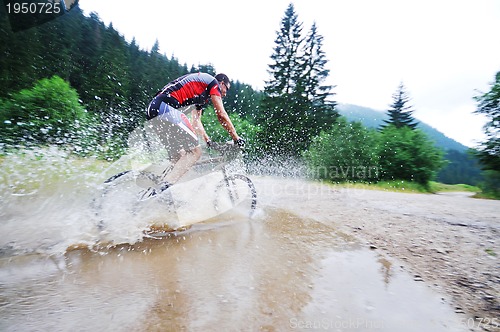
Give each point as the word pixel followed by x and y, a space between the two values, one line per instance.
pixel 402 186
pixel 487 195
pixel 397 186
pixel 442 187
pixel 490 252
pixel 410 187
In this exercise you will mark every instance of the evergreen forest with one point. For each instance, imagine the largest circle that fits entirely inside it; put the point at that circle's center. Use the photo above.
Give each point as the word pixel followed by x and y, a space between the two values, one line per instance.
pixel 77 83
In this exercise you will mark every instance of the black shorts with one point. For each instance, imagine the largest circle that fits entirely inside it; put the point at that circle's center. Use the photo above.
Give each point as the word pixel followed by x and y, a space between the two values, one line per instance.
pixel 172 126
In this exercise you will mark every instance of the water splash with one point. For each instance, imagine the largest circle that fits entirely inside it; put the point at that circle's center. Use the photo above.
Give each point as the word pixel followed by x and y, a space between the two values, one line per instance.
pixel 52 200
pixel 47 200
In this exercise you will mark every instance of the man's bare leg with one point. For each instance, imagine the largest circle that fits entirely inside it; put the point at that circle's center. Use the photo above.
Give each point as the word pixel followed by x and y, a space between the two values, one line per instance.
pixel 183 164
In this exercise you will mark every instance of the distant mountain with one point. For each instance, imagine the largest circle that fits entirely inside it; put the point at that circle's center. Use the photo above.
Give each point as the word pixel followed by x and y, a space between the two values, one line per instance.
pixel 373 119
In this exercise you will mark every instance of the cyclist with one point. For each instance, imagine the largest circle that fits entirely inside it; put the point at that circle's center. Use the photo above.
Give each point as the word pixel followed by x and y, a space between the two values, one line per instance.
pixel 167 115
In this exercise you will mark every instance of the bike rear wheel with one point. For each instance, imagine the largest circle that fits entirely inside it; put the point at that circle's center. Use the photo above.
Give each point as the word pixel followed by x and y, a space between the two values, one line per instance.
pixel 117 198
pixel 126 199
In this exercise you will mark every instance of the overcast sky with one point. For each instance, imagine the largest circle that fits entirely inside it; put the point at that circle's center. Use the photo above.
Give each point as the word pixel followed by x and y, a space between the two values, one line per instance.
pixel 444 51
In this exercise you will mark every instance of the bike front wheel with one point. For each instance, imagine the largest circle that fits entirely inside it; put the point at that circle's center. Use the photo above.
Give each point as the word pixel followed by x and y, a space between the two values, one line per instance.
pixel 236 191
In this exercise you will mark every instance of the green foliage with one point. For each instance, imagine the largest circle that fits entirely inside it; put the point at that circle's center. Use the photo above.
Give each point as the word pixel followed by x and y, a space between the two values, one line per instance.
pixel 396 158
pixel 346 152
pixel 407 154
pixel 50 112
pixel 217 133
pixel 462 168
pixel 491 184
pixel 400 112
pixel 489 105
pixel 488 153
pixel 243 99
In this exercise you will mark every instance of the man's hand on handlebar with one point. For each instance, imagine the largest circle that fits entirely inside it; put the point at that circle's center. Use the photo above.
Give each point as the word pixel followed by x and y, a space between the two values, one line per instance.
pixel 240 142
pixel 216 146
pixel 231 145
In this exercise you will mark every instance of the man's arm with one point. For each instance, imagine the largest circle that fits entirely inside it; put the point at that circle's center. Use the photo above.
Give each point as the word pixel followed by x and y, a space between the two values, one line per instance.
pixel 223 118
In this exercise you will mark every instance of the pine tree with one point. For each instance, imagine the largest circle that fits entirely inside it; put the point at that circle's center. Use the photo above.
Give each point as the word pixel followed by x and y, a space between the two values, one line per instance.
pixel 400 113
pixel 137 94
pixel 19 57
pixel 286 67
pixel 322 110
pixel 295 106
pixel 156 70
pixel 85 76
pixel 281 114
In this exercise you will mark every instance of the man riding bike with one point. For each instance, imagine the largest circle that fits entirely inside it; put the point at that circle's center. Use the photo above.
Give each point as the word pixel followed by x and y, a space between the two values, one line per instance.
pixel 167 115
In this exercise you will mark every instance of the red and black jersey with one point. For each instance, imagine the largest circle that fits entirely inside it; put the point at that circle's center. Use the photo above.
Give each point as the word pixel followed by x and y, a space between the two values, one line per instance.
pixel 191 89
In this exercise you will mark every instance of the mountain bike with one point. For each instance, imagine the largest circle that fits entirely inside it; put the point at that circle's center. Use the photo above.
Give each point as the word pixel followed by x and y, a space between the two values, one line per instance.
pixel 217 177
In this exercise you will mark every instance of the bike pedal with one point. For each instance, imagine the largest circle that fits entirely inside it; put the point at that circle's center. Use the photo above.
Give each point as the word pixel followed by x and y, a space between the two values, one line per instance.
pixel 147 194
pixel 164 186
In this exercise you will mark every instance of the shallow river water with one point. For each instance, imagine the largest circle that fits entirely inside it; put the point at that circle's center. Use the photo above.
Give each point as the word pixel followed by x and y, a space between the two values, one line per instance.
pixel 275 273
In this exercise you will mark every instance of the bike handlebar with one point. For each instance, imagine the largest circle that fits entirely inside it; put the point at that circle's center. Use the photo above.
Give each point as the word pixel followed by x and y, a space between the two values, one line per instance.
pixel 225 152
pixel 225 148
